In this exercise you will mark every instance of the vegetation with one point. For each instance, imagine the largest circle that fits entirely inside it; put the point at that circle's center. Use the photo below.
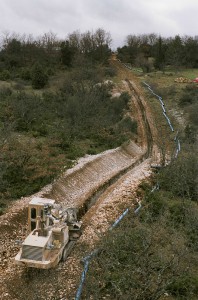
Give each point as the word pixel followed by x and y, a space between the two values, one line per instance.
pixel 54 108
pixel 148 256
pixel 153 255
pixel 175 51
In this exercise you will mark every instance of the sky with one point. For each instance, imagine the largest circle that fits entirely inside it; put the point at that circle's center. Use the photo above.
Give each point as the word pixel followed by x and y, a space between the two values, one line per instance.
pixel 119 17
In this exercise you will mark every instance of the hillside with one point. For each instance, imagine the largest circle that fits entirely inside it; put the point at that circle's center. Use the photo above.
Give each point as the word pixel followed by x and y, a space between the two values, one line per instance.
pixel 147 256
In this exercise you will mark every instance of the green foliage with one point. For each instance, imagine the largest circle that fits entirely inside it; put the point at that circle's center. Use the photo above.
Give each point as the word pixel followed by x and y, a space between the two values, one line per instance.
pixel 2 206
pixel 184 287
pixel 190 134
pixel 79 118
pixel 192 111
pixel 26 166
pixel 25 74
pixel 128 125
pixel 67 53
pixel 39 77
pixel 132 260
pixel 150 254
pixel 189 96
pixel 180 177
pixel 119 103
pixel 160 51
pixel 5 75
pixel 110 71
pixel 175 51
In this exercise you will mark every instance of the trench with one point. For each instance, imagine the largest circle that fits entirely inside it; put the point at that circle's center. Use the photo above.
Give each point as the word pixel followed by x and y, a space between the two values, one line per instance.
pixel 90 201
pixel 91 198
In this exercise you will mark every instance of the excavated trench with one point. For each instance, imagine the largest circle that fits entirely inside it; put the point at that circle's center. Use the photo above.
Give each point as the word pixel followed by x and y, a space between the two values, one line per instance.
pixel 103 169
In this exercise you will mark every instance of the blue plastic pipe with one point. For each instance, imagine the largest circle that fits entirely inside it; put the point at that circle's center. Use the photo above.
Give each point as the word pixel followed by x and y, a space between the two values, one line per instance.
pixel 119 219
pixel 83 276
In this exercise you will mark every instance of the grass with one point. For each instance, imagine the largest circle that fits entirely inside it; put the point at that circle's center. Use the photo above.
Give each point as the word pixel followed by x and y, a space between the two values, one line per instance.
pixel 189 73
pixel 171 92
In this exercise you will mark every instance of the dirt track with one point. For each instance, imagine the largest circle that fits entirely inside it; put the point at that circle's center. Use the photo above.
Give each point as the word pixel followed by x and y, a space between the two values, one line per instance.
pixel 111 177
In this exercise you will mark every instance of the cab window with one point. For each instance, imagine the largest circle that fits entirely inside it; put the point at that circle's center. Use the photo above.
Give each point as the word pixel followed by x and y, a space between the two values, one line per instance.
pixel 33 213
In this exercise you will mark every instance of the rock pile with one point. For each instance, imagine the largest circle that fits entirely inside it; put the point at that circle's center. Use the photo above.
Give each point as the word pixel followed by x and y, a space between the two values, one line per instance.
pixel 183 80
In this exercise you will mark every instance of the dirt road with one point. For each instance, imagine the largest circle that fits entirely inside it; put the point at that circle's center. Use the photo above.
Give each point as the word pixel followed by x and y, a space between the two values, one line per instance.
pixel 110 178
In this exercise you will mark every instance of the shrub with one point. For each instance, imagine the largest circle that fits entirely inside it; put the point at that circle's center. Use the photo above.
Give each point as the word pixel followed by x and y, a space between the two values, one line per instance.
pixel 193 114
pixel 39 77
pixel 184 286
pixel 180 177
pixel 189 96
pixel 136 259
pixel 5 92
pixel 25 74
pixel 5 75
pixel 50 72
pixel 110 71
pixel 127 124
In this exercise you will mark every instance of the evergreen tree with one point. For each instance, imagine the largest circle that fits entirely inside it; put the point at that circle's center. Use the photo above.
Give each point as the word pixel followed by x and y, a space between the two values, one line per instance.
pixel 39 77
pixel 160 55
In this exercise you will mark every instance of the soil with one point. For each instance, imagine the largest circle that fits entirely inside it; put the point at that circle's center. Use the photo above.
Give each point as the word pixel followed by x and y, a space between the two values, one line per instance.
pixel 102 186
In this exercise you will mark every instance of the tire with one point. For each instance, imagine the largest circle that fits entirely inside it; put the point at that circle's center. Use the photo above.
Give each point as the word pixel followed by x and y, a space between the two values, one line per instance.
pixel 64 254
pixel 67 250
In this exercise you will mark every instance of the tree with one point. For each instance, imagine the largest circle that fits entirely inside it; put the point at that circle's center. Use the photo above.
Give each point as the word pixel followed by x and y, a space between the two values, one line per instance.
pixel 175 52
pixel 191 52
pixel 39 77
pixel 67 53
pixel 160 54
pixel 102 40
pixel 12 53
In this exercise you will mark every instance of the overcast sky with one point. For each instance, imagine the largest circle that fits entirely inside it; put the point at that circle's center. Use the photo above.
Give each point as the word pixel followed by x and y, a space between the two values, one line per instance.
pixel 119 17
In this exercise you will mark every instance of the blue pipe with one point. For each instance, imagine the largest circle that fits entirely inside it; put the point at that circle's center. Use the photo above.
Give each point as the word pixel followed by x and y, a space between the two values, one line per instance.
pixel 179 145
pixel 90 256
pixel 168 120
pixel 87 258
pixel 83 276
pixel 119 219
pixel 138 208
pixel 86 261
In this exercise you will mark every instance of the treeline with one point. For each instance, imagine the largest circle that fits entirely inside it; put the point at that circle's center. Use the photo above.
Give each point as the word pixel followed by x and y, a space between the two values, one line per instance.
pixel 26 57
pixel 148 51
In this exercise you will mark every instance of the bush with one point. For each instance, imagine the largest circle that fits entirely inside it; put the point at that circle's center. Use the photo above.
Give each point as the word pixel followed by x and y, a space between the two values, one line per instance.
pixel 127 124
pixel 190 134
pixel 111 72
pixel 136 259
pixel 5 92
pixel 5 75
pixel 193 114
pixel 50 72
pixel 39 77
pixel 189 96
pixel 25 74
pixel 120 103
pixel 180 177
pixel 184 287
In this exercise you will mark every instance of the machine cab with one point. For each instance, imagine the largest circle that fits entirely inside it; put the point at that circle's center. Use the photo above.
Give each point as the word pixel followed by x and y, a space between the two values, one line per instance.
pixel 36 212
